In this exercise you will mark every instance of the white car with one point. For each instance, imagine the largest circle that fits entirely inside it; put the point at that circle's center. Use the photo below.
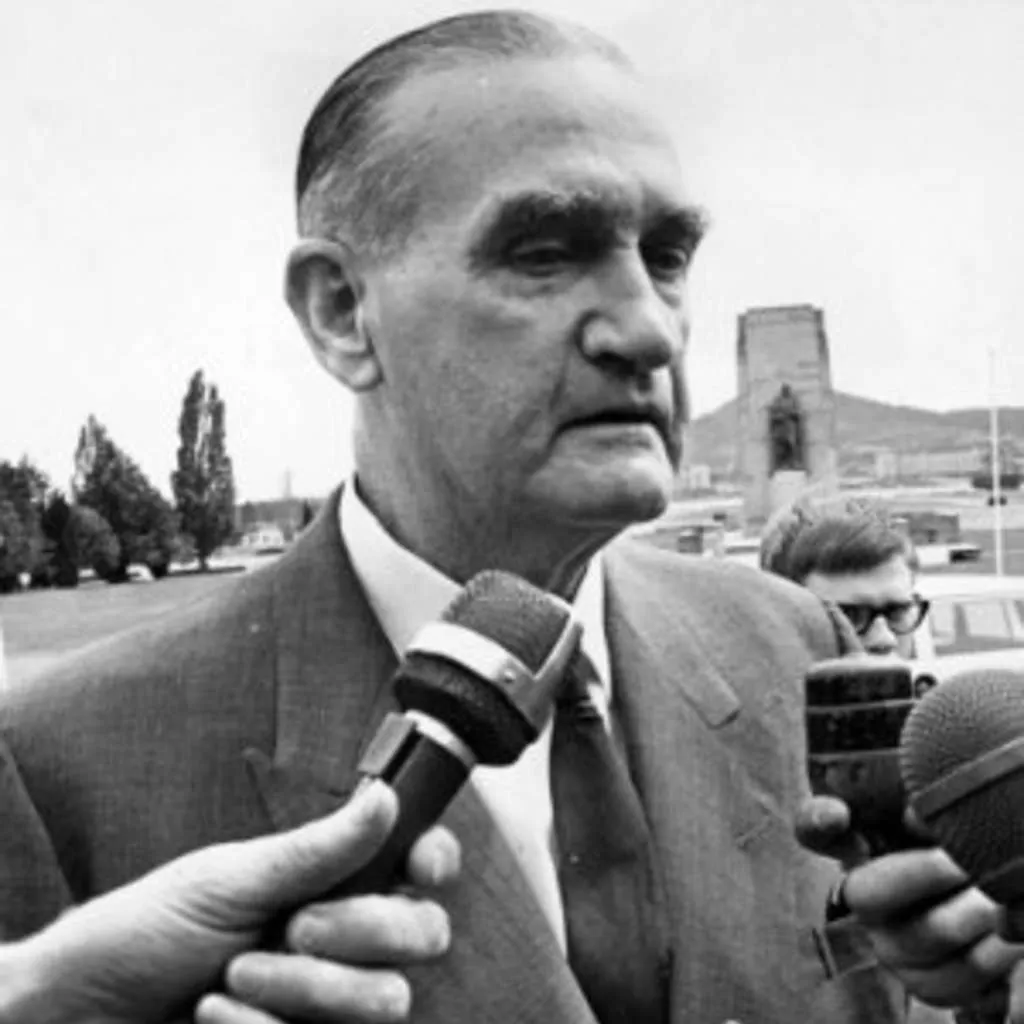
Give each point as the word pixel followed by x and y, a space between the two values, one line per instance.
pixel 975 622
pixel 745 550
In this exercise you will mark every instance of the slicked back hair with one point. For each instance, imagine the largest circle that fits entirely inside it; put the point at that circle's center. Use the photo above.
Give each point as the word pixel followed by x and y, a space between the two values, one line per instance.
pixel 833 538
pixel 356 181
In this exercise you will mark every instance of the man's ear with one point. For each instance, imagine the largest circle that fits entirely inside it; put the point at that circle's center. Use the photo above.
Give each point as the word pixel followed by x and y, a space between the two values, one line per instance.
pixel 324 289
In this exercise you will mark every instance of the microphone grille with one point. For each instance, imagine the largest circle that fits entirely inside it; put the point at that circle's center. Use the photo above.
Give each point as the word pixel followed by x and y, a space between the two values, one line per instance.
pixel 952 729
pixel 514 614
pixel 518 617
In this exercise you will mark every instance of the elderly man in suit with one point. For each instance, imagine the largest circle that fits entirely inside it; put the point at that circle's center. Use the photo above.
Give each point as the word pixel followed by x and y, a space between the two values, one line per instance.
pixel 496 240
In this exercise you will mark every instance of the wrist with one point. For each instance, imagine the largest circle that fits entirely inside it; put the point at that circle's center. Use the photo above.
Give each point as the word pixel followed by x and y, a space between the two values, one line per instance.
pixel 22 984
pixel 36 985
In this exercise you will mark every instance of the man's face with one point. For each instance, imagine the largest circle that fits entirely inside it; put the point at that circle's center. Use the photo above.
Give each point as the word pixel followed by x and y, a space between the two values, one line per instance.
pixel 891 583
pixel 531 333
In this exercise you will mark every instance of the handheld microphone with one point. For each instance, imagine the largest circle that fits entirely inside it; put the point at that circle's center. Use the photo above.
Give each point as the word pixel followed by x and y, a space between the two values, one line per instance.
pixel 856 707
pixel 962 759
pixel 475 688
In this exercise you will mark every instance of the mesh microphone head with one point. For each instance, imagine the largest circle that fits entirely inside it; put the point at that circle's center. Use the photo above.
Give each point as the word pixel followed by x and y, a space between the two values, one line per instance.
pixel 965 777
pixel 518 617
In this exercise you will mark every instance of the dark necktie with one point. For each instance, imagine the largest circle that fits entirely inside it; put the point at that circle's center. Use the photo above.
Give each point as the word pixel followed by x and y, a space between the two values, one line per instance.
pixel 619 942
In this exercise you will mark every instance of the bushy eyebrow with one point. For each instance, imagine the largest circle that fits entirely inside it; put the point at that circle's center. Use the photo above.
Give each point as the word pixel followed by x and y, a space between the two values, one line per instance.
pixel 579 214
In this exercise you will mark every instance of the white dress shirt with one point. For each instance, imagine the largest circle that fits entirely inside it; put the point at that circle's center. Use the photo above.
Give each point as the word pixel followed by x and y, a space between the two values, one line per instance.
pixel 405 594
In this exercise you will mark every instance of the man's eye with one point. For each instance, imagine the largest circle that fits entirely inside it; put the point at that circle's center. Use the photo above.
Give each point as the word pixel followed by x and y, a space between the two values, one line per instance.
pixel 667 261
pixel 540 259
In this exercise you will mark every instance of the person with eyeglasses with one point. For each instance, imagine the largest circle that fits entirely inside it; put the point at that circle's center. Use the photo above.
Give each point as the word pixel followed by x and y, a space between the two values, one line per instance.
pixel 901 618
pixel 852 554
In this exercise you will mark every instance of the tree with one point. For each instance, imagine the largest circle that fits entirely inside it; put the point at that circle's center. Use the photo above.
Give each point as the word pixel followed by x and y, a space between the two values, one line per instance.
pixel 96 547
pixel 60 565
pixel 113 485
pixel 19 549
pixel 203 483
pixel 23 548
pixel 24 486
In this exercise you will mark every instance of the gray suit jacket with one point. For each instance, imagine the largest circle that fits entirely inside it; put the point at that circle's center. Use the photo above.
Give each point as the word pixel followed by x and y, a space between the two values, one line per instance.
pixel 249 712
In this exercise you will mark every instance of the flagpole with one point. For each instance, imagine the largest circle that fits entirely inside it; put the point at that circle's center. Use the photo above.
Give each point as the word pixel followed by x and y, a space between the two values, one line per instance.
pixel 996 468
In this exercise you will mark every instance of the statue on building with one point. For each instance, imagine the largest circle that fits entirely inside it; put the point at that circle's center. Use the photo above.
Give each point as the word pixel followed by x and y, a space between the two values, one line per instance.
pixel 786 432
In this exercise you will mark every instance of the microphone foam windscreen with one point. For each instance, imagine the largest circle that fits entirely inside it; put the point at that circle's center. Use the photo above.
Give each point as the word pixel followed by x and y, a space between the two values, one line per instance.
pixel 513 613
pixel 518 617
pixel 964 778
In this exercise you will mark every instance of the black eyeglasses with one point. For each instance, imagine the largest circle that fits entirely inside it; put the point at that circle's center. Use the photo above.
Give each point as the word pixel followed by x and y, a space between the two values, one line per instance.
pixel 902 617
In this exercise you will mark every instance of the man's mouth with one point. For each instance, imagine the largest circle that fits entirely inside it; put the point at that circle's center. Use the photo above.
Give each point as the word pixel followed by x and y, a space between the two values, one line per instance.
pixel 623 417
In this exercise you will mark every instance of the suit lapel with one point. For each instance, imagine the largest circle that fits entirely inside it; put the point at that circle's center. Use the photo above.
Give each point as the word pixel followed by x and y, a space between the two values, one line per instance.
pixel 333 666
pixel 680 719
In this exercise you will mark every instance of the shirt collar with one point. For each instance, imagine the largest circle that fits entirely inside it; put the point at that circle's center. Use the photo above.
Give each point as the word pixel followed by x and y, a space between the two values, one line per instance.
pixel 406 593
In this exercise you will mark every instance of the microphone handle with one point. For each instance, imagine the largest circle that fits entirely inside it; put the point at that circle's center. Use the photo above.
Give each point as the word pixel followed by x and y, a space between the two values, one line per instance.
pixel 425 774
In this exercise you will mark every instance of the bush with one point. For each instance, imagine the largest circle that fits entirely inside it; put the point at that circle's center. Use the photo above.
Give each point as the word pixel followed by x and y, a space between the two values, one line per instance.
pixel 158 570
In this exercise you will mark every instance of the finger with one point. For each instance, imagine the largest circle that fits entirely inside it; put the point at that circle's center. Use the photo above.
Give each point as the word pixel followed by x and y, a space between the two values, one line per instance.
pixel 1016 1011
pixel 991 1005
pixel 898 884
pixel 371 929
pixel 221 1009
pixel 978 973
pixel 277 872
pixel 435 859
pixel 938 934
pixel 305 988
pixel 915 826
pixel 987 1007
pixel 822 826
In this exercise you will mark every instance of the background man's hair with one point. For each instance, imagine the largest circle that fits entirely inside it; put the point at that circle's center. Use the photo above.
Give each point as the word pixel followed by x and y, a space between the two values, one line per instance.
pixel 356 180
pixel 836 536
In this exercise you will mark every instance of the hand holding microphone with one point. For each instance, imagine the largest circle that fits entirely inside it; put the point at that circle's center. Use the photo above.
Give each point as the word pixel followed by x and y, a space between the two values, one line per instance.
pixel 927 919
pixel 148 950
pixel 963 761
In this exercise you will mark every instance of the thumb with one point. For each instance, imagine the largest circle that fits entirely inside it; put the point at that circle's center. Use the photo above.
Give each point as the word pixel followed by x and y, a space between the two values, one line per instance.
pixel 1015 1014
pixel 275 872
pixel 823 826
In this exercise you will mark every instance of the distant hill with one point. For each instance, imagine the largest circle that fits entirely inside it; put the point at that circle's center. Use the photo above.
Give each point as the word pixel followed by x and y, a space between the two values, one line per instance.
pixel 862 427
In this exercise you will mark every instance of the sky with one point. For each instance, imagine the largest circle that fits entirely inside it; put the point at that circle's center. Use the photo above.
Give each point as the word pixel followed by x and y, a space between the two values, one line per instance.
pixel 862 156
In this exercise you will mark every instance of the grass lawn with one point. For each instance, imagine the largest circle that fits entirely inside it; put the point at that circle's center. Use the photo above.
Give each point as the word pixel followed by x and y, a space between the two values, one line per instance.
pixel 39 625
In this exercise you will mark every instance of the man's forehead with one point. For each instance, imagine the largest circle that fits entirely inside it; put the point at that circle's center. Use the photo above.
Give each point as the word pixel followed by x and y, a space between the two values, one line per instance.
pixel 486 84
pixel 865 585
pixel 489 113
pixel 528 136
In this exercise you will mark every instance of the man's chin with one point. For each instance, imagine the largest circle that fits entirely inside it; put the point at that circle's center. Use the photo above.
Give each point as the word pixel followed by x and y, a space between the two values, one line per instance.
pixel 615 502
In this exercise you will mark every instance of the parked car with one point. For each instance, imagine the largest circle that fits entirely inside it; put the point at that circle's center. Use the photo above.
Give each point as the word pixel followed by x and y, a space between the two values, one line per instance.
pixel 975 622
pixel 745 550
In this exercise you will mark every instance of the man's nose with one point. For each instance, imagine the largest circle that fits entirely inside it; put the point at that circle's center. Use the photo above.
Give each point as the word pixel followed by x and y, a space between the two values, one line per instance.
pixel 880 639
pixel 632 323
